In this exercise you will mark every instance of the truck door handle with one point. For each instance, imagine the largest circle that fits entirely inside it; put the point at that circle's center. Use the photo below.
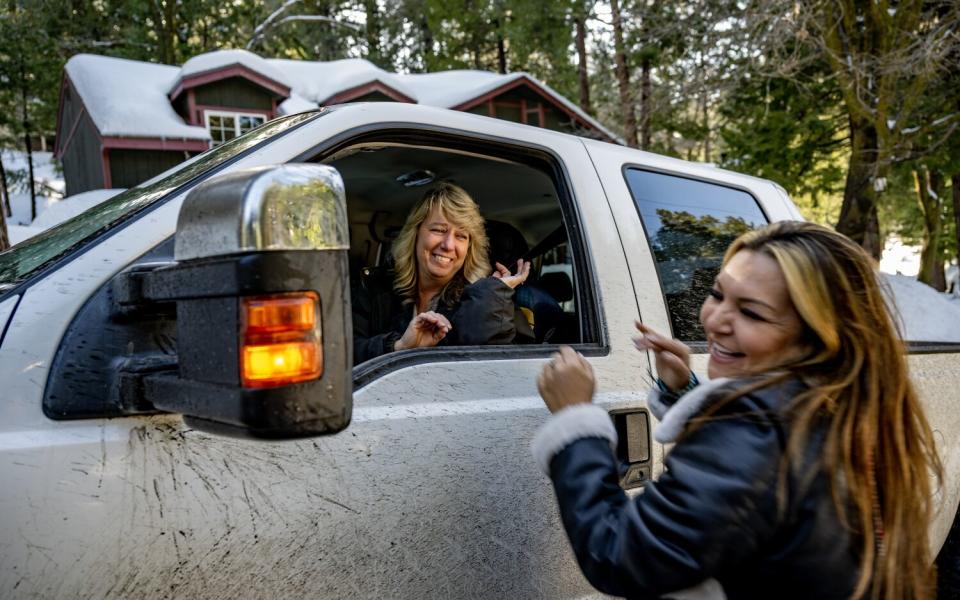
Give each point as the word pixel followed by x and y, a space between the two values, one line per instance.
pixel 633 445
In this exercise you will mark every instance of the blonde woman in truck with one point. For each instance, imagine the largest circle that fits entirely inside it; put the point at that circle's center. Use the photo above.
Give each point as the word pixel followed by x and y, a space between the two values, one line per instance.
pixel 804 468
pixel 443 289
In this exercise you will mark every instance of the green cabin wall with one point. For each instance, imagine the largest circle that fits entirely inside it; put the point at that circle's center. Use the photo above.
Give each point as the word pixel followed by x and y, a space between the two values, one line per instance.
pixel 82 161
pixel 553 118
pixel 132 167
pixel 234 93
pixel 374 96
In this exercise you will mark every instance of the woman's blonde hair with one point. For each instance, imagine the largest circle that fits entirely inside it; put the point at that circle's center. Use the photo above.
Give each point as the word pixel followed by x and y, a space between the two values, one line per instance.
pixel 457 205
pixel 879 448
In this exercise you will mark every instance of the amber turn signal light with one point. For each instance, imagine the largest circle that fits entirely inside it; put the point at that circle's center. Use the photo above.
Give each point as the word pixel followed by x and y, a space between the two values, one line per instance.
pixel 281 340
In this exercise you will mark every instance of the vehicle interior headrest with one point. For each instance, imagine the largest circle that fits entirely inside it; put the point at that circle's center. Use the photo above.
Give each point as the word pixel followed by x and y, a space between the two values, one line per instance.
pixel 507 244
pixel 557 284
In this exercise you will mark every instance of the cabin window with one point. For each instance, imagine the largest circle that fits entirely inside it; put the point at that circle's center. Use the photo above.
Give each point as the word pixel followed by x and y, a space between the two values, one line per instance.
pixel 224 126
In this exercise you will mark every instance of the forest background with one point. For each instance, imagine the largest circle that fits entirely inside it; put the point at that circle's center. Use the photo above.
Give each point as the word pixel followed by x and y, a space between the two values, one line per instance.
pixel 852 106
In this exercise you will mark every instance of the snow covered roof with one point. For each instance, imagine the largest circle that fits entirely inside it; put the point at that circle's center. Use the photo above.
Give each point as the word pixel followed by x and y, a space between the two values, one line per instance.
pixel 315 83
pixel 318 82
pixel 224 59
pixel 447 89
pixel 295 104
pixel 450 89
pixel 133 99
pixel 128 98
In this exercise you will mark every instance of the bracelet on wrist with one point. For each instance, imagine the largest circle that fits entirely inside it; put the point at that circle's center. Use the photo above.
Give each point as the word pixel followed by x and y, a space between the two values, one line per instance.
pixel 691 383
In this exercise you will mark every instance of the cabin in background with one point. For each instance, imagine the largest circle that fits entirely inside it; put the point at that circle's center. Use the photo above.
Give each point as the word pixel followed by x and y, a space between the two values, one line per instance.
pixel 121 122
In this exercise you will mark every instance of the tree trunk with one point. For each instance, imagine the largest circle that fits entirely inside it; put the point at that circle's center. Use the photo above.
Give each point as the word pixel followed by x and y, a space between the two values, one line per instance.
pixel 582 79
pixel 623 77
pixel 170 30
pixel 706 125
pixel 163 12
pixel 372 33
pixel 31 182
pixel 931 264
pixel 4 236
pixel 955 189
pixel 426 35
pixel 858 213
pixel 5 191
pixel 5 212
pixel 645 107
pixel 501 50
pixel 28 145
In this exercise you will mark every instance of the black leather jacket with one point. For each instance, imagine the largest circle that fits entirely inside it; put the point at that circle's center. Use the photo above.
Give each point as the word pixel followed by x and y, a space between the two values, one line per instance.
pixel 713 513
pixel 482 314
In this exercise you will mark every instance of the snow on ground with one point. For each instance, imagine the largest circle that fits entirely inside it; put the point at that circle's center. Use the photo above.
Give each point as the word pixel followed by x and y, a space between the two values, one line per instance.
pixel 899 258
pixel 52 207
pixel 50 186
pixel 68 208
pixel 926 315
pixel 18 233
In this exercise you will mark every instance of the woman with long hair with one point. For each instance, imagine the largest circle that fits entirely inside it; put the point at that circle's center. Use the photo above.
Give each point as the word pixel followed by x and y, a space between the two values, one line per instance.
pixel 442 290
pixel 804 468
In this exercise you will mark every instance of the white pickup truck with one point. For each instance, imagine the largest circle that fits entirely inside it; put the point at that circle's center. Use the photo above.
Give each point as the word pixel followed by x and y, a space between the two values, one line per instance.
pixel 144 455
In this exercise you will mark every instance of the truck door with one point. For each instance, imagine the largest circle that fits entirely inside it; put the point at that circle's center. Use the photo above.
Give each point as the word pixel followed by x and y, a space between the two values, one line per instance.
pixel 677 219
pixel 435 468
pixel 430 492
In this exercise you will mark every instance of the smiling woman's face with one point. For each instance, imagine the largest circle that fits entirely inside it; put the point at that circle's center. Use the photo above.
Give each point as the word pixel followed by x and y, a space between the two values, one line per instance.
pixel 441 249
pixel 751 323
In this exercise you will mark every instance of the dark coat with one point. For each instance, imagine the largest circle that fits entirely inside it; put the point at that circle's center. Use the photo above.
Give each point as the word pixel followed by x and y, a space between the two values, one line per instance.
pixel 483 313
pixel 713 513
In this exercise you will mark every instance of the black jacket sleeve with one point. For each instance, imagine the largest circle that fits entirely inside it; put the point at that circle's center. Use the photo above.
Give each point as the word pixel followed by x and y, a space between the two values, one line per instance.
pixel 714 505
pixel 484 315
pixel 373 313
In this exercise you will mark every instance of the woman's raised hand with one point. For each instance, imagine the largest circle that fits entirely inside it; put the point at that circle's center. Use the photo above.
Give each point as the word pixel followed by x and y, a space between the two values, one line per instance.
pixel 503 274
pixel 672 356
pixel 566 380
pixel 424 330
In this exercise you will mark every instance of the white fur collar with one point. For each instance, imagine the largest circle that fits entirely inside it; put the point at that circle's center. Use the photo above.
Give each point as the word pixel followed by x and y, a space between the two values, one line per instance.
pixel 673 418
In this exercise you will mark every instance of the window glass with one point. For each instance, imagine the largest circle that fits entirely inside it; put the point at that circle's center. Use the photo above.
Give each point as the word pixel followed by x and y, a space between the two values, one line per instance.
pixel 18 262
pixel 689 225
pixel 248 122
pixel 226 126
pixel 520 204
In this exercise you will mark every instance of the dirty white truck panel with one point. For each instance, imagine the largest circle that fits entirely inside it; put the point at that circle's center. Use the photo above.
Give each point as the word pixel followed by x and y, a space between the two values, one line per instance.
pixel 425 489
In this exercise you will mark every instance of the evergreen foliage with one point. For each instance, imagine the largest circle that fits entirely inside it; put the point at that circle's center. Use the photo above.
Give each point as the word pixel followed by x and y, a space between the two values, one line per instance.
pixel 759 88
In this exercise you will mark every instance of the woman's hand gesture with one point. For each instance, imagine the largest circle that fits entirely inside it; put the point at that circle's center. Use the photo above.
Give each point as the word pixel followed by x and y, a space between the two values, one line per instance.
pixel 566 380
pixel 672 356
pixel 425 330
pixel 503 274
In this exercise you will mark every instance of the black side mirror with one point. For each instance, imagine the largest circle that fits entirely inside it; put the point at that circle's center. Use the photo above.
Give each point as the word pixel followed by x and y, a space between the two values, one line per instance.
pixel 260 285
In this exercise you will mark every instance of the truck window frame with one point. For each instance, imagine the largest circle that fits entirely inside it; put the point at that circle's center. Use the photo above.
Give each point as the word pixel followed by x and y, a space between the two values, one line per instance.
pixel 590 310
pixel 697 346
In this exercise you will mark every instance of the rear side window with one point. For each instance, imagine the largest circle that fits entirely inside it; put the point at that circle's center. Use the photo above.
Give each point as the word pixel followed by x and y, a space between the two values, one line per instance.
pixel 689 225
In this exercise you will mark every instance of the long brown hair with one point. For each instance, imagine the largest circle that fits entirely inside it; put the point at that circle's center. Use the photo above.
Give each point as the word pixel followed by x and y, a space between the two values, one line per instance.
pixel 460 208
pixel 878 449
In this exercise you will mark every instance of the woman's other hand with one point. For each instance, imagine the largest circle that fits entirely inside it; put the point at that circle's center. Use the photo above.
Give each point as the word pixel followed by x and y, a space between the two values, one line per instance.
pixel 503 274
pixel 425 330
pixel 566 380
pixel 672 356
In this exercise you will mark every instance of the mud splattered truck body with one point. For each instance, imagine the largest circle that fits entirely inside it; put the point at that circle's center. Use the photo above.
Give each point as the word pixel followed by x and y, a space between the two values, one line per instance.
pixel 136 460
